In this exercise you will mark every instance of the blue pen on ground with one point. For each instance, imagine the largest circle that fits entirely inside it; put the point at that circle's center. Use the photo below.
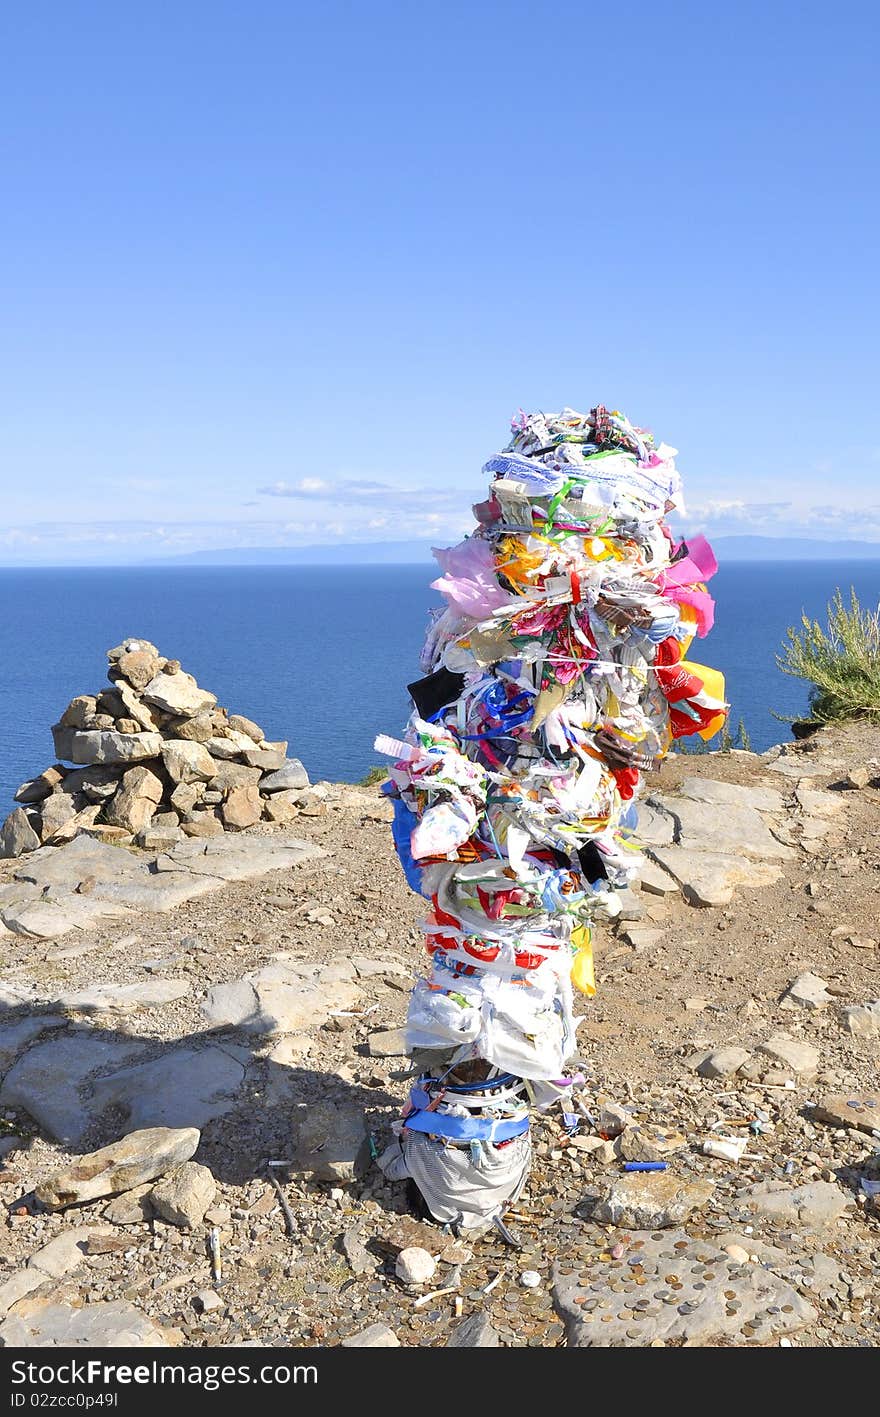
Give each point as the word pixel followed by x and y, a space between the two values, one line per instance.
pixel 644 1166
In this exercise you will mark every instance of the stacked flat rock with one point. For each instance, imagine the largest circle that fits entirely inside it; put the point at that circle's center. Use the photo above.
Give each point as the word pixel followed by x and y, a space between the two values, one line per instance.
pixel 154 758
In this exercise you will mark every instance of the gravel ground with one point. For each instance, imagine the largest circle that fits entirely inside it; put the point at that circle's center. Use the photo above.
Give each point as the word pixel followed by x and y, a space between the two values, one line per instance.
pixel 714 979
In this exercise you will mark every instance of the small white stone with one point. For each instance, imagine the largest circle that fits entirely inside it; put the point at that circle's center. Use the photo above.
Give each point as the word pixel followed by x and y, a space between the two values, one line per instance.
pixel 738 1254
pixel 530 1279
pixel 414 1266
pixel 337 1194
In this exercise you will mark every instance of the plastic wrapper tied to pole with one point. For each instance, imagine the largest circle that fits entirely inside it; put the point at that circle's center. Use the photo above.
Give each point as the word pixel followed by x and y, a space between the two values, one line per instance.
pixel 554 676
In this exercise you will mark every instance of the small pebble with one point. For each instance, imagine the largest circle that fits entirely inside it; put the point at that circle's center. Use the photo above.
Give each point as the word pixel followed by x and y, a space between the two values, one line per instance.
pixel 414 1266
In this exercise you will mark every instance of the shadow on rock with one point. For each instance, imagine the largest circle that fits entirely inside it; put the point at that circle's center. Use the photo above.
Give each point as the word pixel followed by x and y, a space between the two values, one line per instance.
pixel 254 1100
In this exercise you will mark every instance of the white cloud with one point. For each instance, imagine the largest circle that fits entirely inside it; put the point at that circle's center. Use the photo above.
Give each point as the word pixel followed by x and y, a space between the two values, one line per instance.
pixel 845 521
pixel 346 492
pixel 379 513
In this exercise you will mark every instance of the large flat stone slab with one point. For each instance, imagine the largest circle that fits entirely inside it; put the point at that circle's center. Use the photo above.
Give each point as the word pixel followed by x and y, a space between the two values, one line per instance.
pixel 283 997
pixel 185 1087
pixel 57 889
pixel 47 1081
pixel 726 827
pixel 731 794
pixel 814 1205
pixel 60 1256
pixel 675 1289
pixel 655 827
pixel 15 1037
pixel 709 878
pixel 820 804
pixel 83 861
pixel 47 919
pixel 238 858
pixel 122 998
pixel 857 1109
pixel 102 1325
pixel 92 747
pixel 799 765
pixel 653 880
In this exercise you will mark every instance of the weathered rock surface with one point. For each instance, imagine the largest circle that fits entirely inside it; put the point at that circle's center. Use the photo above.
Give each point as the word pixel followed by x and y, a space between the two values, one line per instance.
pixel 387 1043
pixel 178 693
pixel 243 807
pixel 802 1059
pixel 131 1207
pixel 853 1109
pixel 656 827
pixel 808 992
pixel 56 812
pixel 820 804
pixel 47 1079
pixel 651 1201
pixel 186 761
pixel 15 1037
pixel 185 1087
pixel 653 880
pixel 291 776
pixel 95 783
pixel 122 998
pixel 134 803
pixel 476 1331
pixel 38 788
pixel 286 997
pixel 113 1325
pixel 89 880
pixel 375 1336
pixel 709 878
pixel 202 825
pixel 731 794
pixel 239 724
pixel 184 1195
pixel 52 1261
pixel 731 827
pixel 332 1142
pixel 138 1157
pixel 723 1062
pixel 713 1299
pixel 862 1020
pixel 92 746
pixel 17 835
pixel 816 1204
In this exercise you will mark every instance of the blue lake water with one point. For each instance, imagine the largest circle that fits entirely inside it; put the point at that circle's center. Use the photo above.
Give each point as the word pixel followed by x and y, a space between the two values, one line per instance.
pixel 321 655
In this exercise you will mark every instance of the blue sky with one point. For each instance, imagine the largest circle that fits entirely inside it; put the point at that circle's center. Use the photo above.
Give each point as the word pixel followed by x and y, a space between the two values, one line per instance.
pixel 277 273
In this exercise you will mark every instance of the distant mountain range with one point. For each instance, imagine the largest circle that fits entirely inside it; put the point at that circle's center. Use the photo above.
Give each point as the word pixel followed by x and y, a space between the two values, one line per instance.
pixel 728 548
pixel 365 553
pixel 792 548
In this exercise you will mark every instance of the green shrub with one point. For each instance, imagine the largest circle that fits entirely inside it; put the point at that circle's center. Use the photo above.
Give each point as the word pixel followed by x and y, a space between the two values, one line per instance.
pixel 840 662
pixel 373 778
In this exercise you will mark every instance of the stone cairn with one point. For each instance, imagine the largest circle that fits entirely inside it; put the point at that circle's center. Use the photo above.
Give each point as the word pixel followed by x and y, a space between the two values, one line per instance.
pixel 154 759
